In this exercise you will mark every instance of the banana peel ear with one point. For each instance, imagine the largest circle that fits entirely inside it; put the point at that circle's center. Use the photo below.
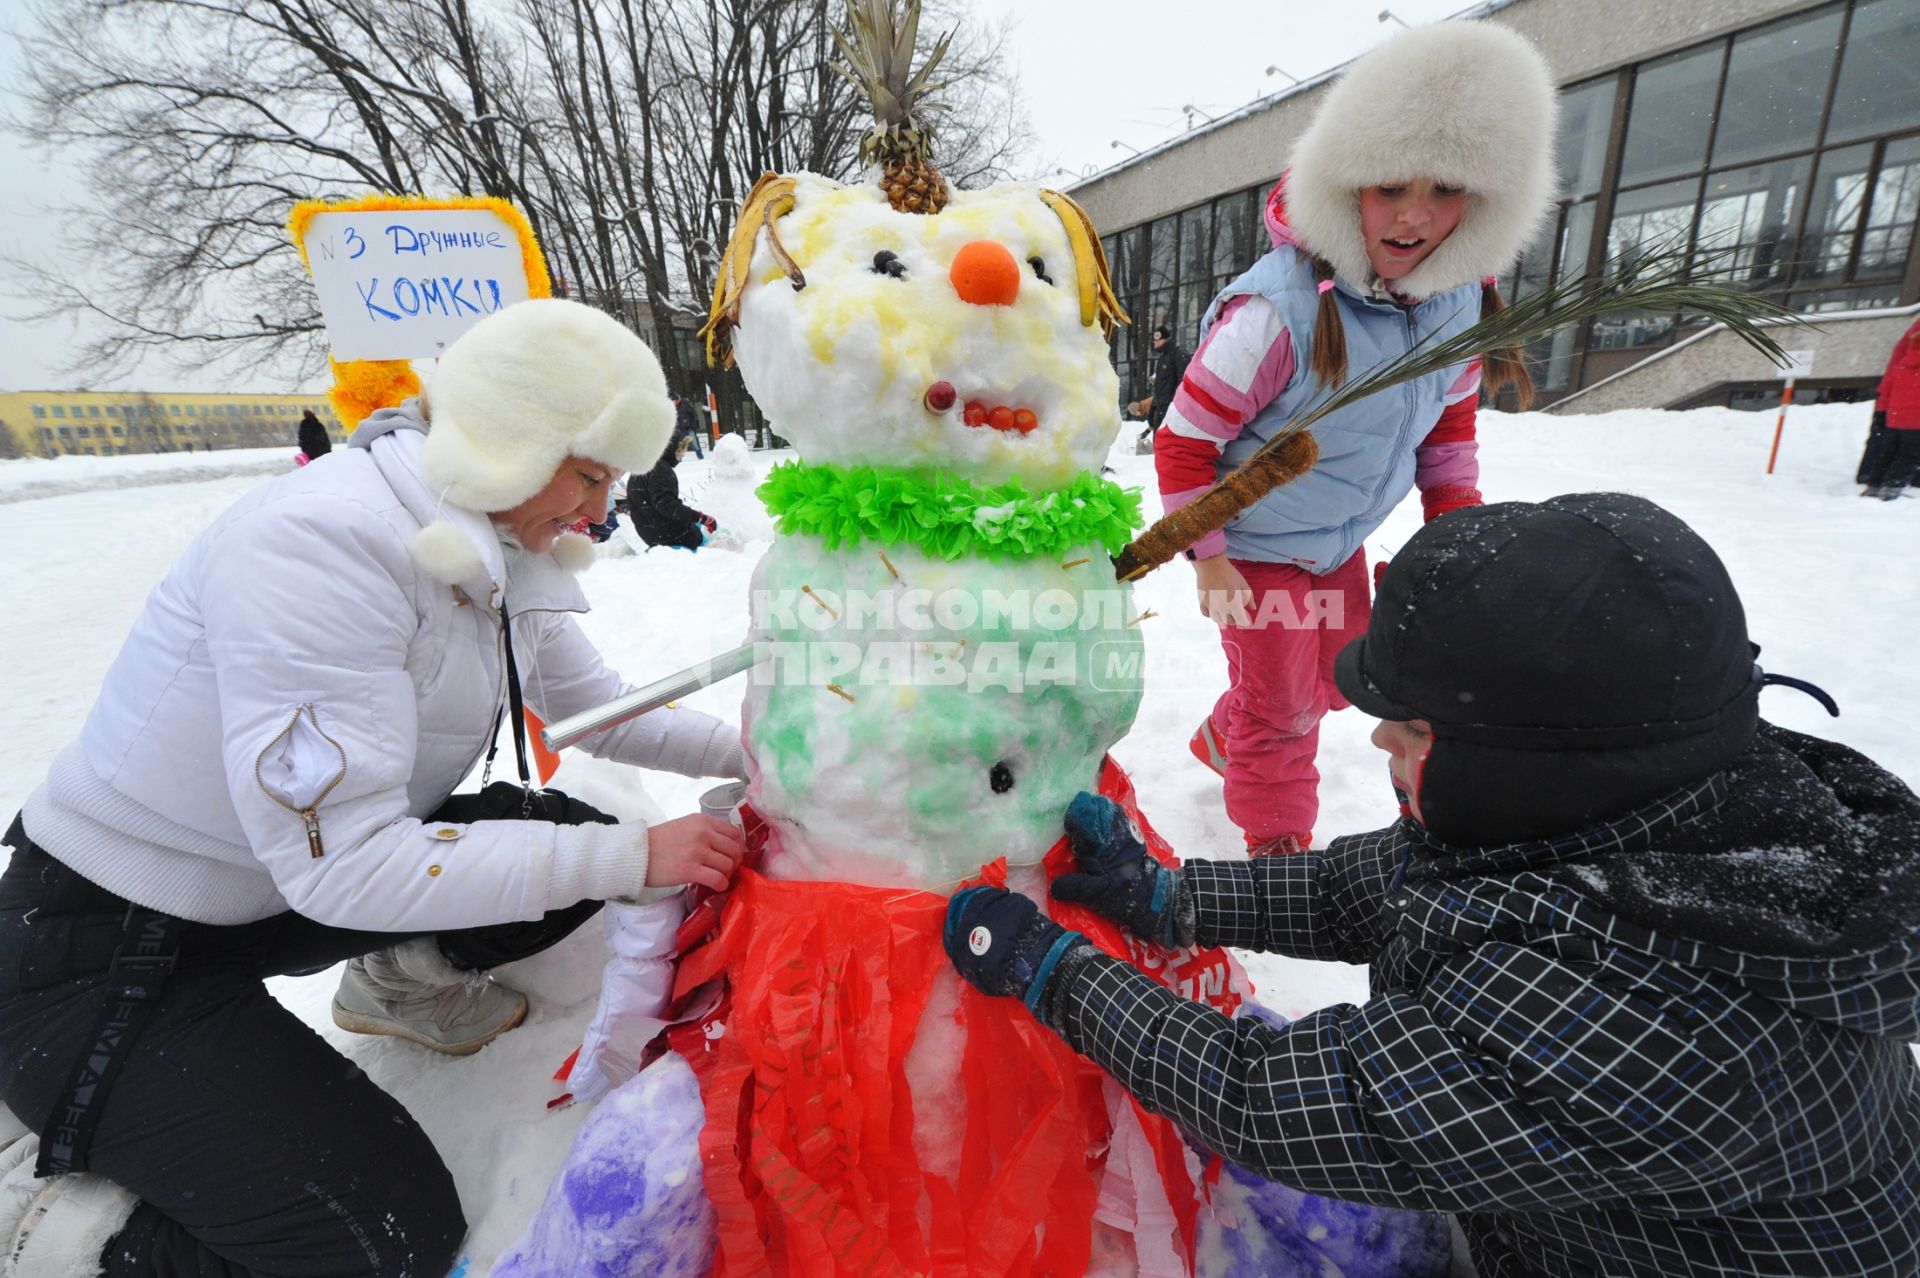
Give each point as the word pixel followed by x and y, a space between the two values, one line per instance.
pixel 771 199
pixel 1097 300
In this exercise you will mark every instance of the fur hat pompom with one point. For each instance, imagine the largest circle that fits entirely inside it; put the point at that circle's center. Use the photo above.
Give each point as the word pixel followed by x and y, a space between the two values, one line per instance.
pixel 1466 103
pixel 446 554
pixel 574 552
pixel 530 385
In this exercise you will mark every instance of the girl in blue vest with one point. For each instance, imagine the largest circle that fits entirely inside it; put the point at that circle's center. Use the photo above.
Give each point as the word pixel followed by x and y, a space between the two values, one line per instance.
pixel 1425 173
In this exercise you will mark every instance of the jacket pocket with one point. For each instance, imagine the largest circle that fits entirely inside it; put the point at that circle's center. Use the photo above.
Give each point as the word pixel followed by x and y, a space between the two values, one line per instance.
pixel 299 768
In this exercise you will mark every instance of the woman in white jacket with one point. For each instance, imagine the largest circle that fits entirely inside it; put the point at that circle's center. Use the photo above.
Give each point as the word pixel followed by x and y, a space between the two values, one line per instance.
pixel 263 787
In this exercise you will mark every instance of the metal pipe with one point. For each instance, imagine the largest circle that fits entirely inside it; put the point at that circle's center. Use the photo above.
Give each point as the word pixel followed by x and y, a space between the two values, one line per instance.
pixel 576 728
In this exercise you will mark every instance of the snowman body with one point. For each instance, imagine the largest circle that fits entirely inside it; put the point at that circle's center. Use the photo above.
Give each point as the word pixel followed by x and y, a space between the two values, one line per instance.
pixel 937 689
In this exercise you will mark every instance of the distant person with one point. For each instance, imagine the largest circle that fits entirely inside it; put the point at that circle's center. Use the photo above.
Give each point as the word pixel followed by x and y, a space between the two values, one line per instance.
pixel 313 437
pixel 659 516
pixel 686 423
pixel 1891 461
pixel 1170 365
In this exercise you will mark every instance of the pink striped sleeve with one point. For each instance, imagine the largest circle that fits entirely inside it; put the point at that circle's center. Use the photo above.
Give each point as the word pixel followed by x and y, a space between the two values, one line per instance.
pixel 1245 360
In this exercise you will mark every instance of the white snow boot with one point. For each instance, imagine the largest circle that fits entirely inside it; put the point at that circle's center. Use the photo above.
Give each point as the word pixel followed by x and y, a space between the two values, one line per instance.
pixel 67 1228
pixel 411 991
pixel 19 1148
pixel 57 1226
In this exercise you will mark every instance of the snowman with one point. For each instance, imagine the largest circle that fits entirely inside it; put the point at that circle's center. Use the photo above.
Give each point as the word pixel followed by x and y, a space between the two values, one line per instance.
pixel 948 657
pixel 951 655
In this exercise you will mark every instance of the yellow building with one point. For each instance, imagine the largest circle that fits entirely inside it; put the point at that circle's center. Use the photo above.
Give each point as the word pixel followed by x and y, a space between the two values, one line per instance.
pixel 104 423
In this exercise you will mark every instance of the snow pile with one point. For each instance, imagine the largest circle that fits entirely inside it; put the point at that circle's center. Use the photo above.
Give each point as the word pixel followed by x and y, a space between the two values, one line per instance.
pixel 33 477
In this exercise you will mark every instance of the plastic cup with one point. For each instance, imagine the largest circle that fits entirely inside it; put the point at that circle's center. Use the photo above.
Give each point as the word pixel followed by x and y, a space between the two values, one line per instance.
pixel 724 801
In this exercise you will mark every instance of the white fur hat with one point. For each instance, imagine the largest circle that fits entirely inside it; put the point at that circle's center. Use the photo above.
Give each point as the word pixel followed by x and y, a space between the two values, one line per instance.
pixel 1466 103
pixel 530 385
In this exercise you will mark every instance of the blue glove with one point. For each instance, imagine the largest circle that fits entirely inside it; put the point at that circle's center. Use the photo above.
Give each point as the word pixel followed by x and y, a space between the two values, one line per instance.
pixel 1117 879
pixel 1003 945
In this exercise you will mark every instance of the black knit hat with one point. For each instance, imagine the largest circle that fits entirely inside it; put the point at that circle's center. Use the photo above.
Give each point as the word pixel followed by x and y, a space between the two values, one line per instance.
pixel 1577 658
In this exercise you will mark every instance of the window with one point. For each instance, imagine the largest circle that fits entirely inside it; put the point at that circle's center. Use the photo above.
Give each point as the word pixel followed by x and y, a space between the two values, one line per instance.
pixel 1652 219
pixel 1671 114
pixel 1747 220
pixel 93 410
pixel 1879 89
pixel 1646 222
pixel 1776 84
pixel 59 410
pixel 119 430
pixel 1586 122
pixel 39 410
pixel 1836 200
pixel 1888 236
pixel 113 410
pixel 174 409
pixel 1235 219
pixel 86 432
pixel 66 432
pixel 46 434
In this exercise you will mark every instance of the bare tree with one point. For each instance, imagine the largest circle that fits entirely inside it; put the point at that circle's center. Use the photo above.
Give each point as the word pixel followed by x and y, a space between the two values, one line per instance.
pixel 628 130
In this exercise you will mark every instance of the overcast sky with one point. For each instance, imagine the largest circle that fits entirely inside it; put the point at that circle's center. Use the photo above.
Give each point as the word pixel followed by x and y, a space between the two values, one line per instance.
pixel 1092 71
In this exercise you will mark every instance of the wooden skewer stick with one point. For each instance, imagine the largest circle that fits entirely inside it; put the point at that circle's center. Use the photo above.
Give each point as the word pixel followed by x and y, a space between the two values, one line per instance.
pixel 1075 563
pixel 1142 617
pixel 808 592
pixel 839 691
pixel 889 563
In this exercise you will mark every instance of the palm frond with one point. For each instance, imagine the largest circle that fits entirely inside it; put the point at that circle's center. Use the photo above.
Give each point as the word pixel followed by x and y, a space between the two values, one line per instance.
pixel 1663 280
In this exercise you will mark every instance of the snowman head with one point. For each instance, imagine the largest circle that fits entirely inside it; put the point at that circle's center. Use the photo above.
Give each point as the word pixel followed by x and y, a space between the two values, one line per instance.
pixel 972 340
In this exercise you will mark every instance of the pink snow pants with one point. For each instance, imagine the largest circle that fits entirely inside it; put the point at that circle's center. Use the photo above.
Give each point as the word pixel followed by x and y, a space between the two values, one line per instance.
pixel 1280 685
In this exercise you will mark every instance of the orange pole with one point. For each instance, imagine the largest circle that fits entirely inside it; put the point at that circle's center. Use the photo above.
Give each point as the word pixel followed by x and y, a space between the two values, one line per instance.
pixel 1780 425
pixel 713 413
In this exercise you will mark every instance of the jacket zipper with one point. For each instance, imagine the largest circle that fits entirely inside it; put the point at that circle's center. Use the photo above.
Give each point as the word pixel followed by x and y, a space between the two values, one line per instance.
pixel 309 816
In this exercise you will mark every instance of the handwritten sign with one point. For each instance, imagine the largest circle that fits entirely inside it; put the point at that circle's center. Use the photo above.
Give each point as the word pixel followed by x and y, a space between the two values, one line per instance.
pixel 403 284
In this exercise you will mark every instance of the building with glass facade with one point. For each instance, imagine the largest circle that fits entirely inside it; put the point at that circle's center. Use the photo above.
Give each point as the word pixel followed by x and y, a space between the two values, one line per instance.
pixel 1776 142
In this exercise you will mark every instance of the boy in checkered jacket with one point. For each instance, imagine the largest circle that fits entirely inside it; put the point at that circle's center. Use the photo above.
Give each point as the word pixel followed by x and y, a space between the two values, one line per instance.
pixel 1644 967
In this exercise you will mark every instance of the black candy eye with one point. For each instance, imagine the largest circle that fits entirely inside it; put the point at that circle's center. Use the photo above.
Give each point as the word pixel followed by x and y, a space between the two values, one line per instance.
pixel 1039 265
pixel 1000 778
pixel 887 262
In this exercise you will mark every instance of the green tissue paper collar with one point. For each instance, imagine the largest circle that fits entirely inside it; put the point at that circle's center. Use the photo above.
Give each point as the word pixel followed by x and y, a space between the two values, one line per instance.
pixel 946 516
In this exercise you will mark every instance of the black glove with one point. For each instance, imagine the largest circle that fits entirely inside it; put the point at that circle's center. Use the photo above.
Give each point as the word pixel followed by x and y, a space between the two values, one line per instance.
pixel 1117 879
pixel 1003 945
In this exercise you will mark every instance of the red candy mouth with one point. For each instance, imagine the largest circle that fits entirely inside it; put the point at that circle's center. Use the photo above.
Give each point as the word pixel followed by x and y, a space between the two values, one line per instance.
pixel 1000 417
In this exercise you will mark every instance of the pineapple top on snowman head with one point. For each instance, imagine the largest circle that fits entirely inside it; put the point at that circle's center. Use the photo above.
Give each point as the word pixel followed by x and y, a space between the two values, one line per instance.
pixel 972 340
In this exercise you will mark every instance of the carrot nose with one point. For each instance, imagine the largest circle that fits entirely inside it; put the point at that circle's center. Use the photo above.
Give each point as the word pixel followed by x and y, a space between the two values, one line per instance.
pixel 985 274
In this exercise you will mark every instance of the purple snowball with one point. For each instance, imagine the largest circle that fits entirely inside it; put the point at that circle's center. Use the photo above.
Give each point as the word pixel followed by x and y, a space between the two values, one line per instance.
pixel 630 1201
pixel 1259 1229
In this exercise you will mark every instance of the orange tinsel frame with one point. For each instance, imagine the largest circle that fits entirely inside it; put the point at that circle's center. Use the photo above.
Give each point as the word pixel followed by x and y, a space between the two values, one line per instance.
pixel 364 385
pixel 808 1146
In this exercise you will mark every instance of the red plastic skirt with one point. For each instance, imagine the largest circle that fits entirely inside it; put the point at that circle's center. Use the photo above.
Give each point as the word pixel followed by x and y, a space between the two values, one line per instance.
pixel 808 1146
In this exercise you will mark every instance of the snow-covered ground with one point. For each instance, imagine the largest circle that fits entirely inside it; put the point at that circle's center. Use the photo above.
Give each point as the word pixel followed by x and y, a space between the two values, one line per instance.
pixel 1828 578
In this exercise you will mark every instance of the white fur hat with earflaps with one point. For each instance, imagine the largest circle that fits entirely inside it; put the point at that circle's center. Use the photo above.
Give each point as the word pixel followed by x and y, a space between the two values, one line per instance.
pixel 1465 103
pixel 517 393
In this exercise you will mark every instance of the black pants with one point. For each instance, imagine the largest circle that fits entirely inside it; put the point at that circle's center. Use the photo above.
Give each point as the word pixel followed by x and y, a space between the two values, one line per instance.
pixel 255 1148
pixel 1891 458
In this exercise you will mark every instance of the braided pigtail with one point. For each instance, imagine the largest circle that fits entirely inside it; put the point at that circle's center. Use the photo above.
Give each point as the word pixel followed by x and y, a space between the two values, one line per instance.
pixel 1329 356
pixel 1506 366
